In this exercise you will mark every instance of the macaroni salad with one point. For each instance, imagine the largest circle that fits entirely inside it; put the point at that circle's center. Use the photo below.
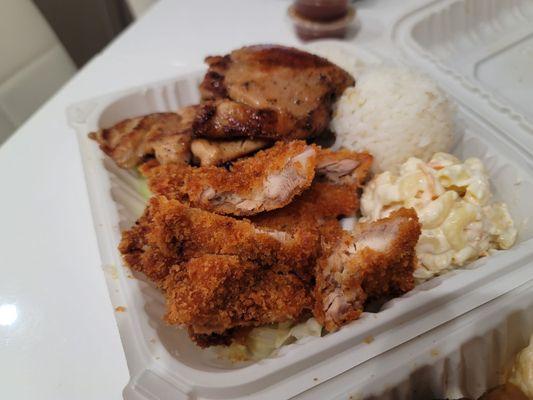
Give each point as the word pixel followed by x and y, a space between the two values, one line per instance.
pixel 453 203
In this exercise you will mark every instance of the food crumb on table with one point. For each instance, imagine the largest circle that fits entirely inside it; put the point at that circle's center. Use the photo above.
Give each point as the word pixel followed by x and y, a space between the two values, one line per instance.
pixel 120 309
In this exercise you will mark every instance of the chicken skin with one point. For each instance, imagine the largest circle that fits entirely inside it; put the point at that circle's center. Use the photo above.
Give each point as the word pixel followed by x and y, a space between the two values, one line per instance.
pixel 267 181
pixel 377 261
pixel 270 92
pixel 165 136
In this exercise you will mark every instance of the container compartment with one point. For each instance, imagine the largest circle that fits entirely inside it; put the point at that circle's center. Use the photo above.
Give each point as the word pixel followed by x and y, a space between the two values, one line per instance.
pixel 164 363
pixel 485 44
pixel 484 346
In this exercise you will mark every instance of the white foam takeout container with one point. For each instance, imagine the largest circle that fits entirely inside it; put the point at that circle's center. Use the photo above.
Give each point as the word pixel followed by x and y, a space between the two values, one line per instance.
pixel 462 358
pixel 163 362
pixel 481 52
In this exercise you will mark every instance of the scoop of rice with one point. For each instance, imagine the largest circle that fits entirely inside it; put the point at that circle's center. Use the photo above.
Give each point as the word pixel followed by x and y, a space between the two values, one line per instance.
pixel 394 114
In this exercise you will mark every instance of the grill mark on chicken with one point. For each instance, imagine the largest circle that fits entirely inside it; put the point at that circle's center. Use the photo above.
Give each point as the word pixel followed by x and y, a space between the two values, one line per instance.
pixel 272 92
pixel 165 136
pixel 223 119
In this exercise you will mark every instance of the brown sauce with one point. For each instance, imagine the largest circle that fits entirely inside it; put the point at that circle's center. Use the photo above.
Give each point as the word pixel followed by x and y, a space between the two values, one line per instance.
pixel 321 10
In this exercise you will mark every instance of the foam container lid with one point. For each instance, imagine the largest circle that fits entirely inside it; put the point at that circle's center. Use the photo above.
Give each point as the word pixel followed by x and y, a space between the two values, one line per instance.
pixel 482 52
pixel 163 362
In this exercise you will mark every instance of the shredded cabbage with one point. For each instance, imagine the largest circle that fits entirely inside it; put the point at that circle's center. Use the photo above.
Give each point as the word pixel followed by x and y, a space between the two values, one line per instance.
pixel 263 341
pixel 143 190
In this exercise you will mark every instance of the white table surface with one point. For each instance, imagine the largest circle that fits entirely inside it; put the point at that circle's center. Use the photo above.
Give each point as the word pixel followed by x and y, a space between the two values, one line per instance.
pixel 63 342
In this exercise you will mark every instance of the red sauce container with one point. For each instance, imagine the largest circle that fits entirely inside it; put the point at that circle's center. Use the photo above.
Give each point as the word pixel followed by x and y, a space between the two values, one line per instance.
pixel 321 10
pixel 307 29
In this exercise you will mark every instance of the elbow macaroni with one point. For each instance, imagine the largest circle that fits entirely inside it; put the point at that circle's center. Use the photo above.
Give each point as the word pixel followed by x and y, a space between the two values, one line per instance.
pixel 452 200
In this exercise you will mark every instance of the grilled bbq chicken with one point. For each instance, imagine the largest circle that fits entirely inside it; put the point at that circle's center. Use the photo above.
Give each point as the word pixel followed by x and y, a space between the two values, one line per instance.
pixel 165 136
pixel 375 262
pixel 270 92
pixel 217 152
pixel 267 181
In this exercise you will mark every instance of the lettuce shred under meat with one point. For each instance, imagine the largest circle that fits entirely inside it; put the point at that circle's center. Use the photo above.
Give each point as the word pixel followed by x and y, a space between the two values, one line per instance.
pixel 263 341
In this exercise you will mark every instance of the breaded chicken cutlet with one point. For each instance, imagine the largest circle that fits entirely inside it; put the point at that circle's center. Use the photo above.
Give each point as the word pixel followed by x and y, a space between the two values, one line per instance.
pixel 266 181
pixel 377 261
pixel 214 293
pixel 171 233
pixel 344 167
pixel 321 202
pixel 333 194
pixel 219 273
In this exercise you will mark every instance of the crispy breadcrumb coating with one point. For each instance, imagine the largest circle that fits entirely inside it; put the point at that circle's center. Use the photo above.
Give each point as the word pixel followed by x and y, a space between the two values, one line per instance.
pixel 376 262
pixel 171 233
pixel 267 181
pixel 214 293
pixel 322 201
pixel 344 167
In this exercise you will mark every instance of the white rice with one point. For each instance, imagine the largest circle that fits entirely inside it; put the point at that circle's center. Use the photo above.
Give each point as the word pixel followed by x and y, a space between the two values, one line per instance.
pixel 394 114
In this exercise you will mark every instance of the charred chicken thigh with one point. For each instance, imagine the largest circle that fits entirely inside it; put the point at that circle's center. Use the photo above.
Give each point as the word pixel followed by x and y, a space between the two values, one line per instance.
pixel 268 91
pixel 165 136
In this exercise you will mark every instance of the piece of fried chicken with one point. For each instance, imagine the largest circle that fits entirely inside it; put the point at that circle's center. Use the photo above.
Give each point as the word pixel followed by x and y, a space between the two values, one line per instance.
pixel 344 167
pixel 212 294
pixel 333 194
pixel 170 233
pixel 220 274
pixel 164 136
pixel 377 261
pixel 321 202
pixel 266 181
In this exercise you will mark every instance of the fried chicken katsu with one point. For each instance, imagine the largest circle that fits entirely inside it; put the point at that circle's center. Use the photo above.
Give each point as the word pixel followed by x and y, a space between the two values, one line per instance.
pixel 219 273
pixel 214 293
pixel 343 167
pixel 170 233
pixel 266 181
pixel 377 261
pixel 333 194
pixel 165 136
pixel 270 92
pixel 322 201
